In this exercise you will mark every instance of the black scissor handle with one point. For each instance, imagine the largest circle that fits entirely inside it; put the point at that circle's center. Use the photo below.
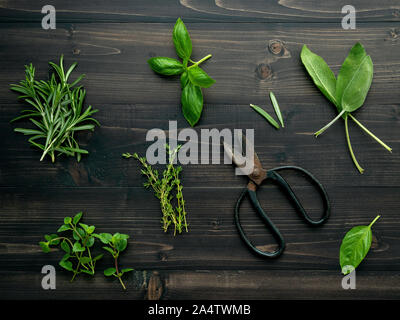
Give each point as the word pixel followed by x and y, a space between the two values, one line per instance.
pixel 275 232
pixel 275 176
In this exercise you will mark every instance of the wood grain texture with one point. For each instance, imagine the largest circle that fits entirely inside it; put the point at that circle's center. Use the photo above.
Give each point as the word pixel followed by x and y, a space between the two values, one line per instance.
pixel 201 10
pixel 255 47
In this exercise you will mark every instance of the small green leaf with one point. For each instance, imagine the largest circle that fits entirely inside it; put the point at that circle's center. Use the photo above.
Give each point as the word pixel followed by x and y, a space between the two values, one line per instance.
pixel 65 246
pixel 85 260
pixel 121 244
pixel 64 228
pixel 265 115
pixel 109 272
pixel 77 247
pixel 90 242
pixel 66 265
pixel 98 257
pixel 276 108
pixel 45 246
pixel 104 237
pixel 109 250
pixel 87 271
pixel 66 257
pixel 166 66
pixel 181 39
pixel 192 103
pixel 80 232
pixel 199 77
pixel 67 220
pixel 77 218
pixel 355 246
pixel 126 270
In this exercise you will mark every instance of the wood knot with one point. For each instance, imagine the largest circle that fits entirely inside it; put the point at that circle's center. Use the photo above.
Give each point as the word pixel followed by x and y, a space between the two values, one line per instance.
pixel 155 287
pixel 263 71
pixel 276 47
pixel 163 256
pixel 76 51
pixel 394 33
pixel 216 223
pixel 396 13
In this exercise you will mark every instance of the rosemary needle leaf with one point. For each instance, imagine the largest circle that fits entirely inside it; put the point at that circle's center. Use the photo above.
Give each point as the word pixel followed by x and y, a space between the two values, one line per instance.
pixel 276 108
pixel 265 115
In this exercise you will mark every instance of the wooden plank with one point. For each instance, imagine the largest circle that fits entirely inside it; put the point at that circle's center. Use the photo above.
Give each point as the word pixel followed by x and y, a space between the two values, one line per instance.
pixel 213 241
pixel 130 97
pixel 114 58
pixel 201 10
pixel 204 284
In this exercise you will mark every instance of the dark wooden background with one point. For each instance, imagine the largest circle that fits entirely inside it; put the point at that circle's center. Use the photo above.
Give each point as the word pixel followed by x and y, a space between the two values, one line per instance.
pixel 111 41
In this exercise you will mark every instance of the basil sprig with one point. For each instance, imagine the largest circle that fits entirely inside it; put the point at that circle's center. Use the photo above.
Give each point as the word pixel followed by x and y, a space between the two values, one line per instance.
pixel 355 246
pixel 348 92
pixel 193 78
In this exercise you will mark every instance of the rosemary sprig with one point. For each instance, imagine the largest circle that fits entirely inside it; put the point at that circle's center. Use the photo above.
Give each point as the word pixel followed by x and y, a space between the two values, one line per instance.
pixel 56 110
pixel 166 189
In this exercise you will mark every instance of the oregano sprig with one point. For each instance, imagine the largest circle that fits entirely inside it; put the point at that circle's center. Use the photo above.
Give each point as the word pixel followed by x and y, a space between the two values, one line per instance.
pixel 166 188
pixel 56 111
pixel 348 92
pixel 116 243
pixel 193 78
pixel 78 240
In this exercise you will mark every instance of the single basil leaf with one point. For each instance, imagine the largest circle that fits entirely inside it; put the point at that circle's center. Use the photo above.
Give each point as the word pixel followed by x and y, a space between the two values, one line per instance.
pixel 181 39
pixel 85 260
pixel 320 72
pixel 357 81
pixel 67 220
pixel 87 271
pixel 192 103
pixel 126 270
pixel 265 115
pixel 166 66
pixel 355 246
pixel 109 272
pixel 121 244
pixel 184 79
pixel 109 250
pixel 98 257
pixel 200 78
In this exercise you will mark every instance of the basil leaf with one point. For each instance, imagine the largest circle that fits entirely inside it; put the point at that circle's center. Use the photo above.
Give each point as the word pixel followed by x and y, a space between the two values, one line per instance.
pixel 184 79
pixel 354 79
pixel 320 72
pixel 166 66
pixel 192 103
pixel 199 77
pixel 66 265
pixel 265 115
pixel 181 39
pixel 355 246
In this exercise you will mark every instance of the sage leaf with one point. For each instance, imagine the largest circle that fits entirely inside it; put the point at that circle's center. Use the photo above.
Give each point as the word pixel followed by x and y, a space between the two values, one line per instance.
pixel 181 39
pixel 355 246
pixel 192 103
pixel 199 77
pixel 320 73
pixel 276 108
pixel 265 115
pixel 166 66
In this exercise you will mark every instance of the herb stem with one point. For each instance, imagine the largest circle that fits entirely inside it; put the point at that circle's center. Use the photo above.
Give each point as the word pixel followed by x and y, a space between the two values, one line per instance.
pixel 377 217
pixel 329 124
pixel 200 61
pixel 349 145
pixel 117 272
pixel 370 133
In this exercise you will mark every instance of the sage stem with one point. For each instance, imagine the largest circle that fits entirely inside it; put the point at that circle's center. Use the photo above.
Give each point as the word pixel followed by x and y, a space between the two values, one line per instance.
pixel 370 133
pixel 350 148
pixel 329 124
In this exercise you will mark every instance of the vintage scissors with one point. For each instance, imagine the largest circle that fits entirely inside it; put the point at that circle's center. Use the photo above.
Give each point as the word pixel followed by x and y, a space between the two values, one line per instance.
pixel 257 176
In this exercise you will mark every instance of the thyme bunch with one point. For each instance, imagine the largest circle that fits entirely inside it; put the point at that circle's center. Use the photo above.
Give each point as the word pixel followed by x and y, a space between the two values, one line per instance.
pixel 168 189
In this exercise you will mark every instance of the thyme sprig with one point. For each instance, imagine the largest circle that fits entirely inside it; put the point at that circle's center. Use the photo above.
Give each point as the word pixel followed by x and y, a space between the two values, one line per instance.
pixel 166 188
